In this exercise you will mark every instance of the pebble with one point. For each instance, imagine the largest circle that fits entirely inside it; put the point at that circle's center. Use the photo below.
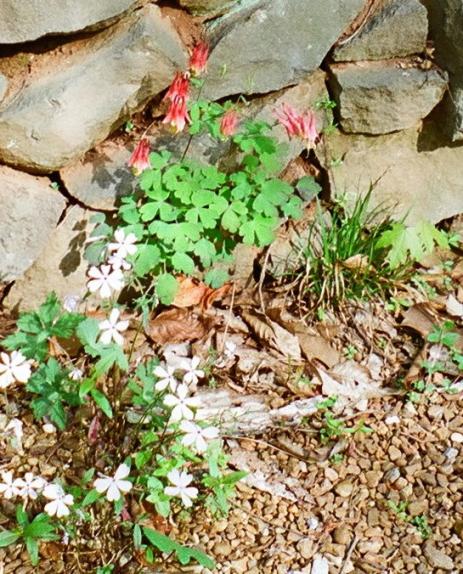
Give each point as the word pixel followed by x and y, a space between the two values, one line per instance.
pixel 418 507
pixel 392 420
pixel 437 558
pixel 222 548
pixel 456 437
pixel 392 474
pixel 373 478
pixel 305 547
pixel 341 535
pixel 344 488
pixel 394 453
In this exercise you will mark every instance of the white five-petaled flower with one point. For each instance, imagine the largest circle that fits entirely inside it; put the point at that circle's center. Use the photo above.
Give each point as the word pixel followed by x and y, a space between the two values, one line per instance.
pixel 105 279
pixel 197 437
pixel 181 404
pixel 112 328
pixel 29 486
pixel 166 378
pixel 14 368
pixel 192 373
pixel 113 486
pixel 181 480
pixel 8 487
pixel 117 262
pixel 124 244
pixel 60 501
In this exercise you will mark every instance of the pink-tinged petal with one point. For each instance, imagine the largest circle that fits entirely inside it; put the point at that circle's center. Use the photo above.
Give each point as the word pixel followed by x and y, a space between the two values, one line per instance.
pixel 105 291
pixel 118 338
pixel 171 401
pixel 124 485
pixel 177 414
pixel 171 490
pixel 102 484
pixel 123 471
pixel 113 492
pixel 210 432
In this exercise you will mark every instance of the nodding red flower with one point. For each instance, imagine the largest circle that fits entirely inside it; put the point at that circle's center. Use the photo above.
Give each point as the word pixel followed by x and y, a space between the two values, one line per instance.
pixel 198 58
pixel 177 115
pixel 180 87
pixel 139 160
pixel 299 125
pixel 229 123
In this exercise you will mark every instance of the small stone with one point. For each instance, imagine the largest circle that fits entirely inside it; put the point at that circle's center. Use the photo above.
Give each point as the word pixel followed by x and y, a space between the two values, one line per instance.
pixel 451 454
pixel 373 478
pixel 341 535
pixel 456 437
pixel 435 411
pixel 458 527
pixel 437 558
pixel 344 488
pixel 392 420
pixel 392 474
pixel 222 548
pixel 418 507
pixel 394 453
pixel 305 547
pixel 239 566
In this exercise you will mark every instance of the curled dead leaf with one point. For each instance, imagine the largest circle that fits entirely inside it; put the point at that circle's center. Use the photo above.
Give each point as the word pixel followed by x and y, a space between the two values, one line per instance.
pixel 178 325
pixel 193 292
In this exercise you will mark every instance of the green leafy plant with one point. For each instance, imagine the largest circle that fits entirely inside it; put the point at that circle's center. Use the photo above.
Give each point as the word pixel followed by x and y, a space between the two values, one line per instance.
pixel 35 329
pixel 30 533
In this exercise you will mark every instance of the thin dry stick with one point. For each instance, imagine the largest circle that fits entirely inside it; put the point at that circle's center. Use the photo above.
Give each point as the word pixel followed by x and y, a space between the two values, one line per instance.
pixel 349 552
pixel 261 281
pixel 227 324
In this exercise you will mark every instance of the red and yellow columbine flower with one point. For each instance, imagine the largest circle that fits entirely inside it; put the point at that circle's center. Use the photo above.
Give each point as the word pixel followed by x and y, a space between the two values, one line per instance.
pixel 298 125
pixel 139 160
pixel 177 115
pixel 198 58
pixel 180 87
pixel 229 123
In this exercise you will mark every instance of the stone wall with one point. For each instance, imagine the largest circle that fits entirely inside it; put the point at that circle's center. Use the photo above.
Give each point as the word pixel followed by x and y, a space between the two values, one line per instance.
pixel 72 73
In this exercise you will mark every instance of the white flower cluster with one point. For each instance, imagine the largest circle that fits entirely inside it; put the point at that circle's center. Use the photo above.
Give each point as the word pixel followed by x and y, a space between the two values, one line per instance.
pixel 29 487
pixel 14 368
pixel 108 277
pixel 181 403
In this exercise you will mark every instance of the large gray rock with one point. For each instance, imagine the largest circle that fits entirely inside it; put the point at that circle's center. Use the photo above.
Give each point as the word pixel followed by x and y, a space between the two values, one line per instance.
pixel 101 177
pixel 3 86
pixel 382 97
pixel 67 111
pixel 29 214
pixel 22 21
pixel 398 29
pixel 424 184
pixel 61 267
pixel 265 45
pixel 446 26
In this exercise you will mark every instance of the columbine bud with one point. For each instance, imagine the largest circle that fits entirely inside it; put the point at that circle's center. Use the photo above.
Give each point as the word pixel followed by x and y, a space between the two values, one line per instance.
pixel 198 58
pixel 229 123
pixel 177 116
pixel 139 160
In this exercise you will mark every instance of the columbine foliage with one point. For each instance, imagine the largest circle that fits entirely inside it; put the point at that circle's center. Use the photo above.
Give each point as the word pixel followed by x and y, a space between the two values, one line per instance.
pixel 190 215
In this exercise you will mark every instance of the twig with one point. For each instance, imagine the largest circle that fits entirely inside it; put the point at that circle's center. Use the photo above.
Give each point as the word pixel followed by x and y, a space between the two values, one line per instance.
pixel 349 552
pixel 227 324
pixel 261 281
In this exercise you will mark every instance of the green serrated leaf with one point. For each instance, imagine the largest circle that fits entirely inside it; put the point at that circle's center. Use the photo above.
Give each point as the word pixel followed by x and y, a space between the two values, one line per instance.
pixel 147 258
pixel 183 263
pixel 102 401
pixel 184 554
pixel 216 277
pixel 166 288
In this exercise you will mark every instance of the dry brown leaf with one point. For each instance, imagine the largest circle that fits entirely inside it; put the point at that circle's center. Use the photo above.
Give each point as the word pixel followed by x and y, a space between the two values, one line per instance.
pixel 50 550
pixel 420 318
pixel 271 332
pixel 190 292
pixel 316 347
pixel 454 307
pixel 176 326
